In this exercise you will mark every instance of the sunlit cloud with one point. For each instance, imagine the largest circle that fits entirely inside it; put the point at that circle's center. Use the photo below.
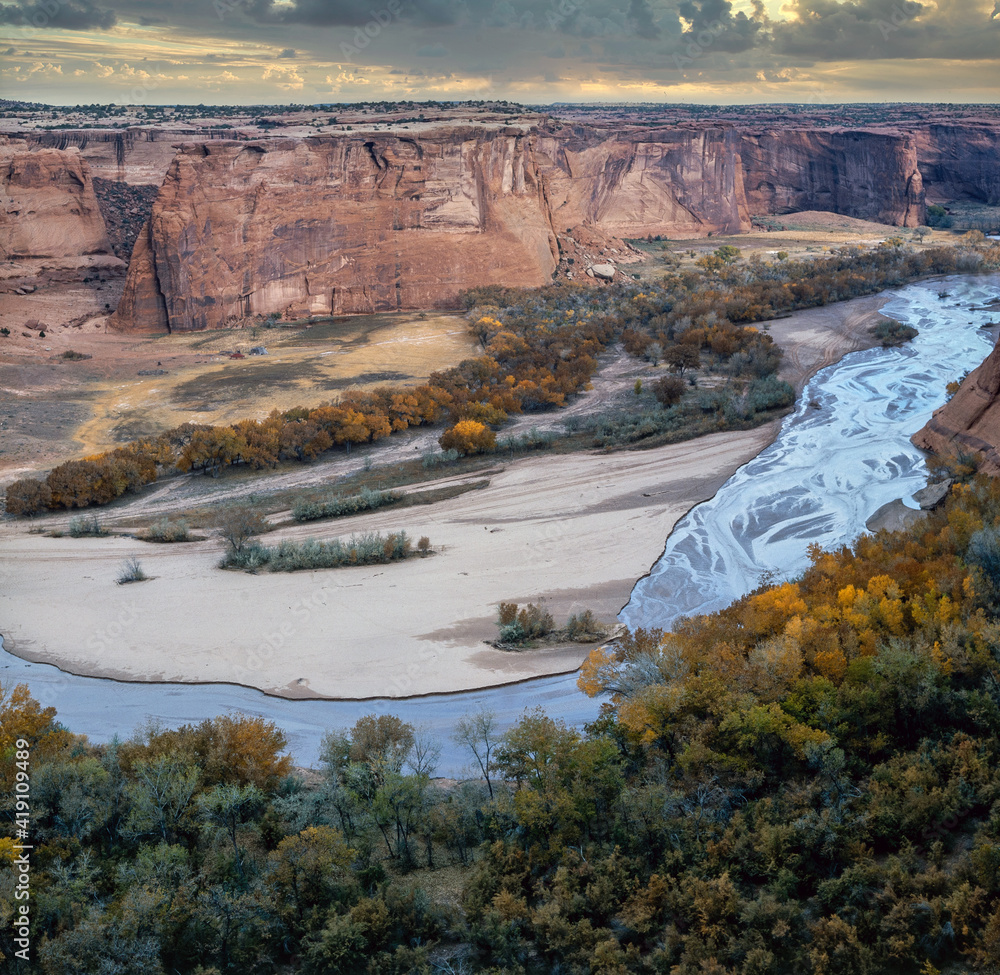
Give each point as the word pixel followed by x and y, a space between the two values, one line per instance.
pixel 556 50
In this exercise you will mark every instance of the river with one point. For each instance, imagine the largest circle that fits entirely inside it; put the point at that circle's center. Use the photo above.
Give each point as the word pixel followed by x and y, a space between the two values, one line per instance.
pixel 843 453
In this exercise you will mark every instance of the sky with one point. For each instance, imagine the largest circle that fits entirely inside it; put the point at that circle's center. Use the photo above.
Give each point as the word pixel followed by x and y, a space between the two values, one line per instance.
pixel 70 52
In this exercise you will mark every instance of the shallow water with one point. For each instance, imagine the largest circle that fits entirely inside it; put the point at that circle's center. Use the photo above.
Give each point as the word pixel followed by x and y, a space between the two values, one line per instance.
pixel 839 457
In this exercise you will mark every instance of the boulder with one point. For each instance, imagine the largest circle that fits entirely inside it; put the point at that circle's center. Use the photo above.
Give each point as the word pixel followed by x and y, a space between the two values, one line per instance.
pixel 934 494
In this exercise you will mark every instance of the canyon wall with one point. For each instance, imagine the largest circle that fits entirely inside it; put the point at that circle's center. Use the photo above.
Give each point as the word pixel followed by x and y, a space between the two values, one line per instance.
pixel 327 225
pixel 681 182
pixel 859 173
pixel 137 155
pixel 362 222
pixel 960 160
pixel 970 420
pixel 47 205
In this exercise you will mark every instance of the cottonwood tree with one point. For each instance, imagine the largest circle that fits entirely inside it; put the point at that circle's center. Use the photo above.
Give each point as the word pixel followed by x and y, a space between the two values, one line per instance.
pixel 478 732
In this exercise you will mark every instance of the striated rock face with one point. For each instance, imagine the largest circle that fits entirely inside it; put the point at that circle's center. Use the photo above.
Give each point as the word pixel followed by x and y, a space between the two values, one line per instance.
pixel 330 225
pixel 871 175
pixel 635 182
pixel 47 205
pixel 385 221
pixel 960 161
pixel 970 420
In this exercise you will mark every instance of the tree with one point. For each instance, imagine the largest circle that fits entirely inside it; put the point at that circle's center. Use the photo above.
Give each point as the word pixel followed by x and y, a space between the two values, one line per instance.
pixel 479 734
pixel 469 437
pixel 27 497
pixel 681 357
pixel 238 524
pixel 227 807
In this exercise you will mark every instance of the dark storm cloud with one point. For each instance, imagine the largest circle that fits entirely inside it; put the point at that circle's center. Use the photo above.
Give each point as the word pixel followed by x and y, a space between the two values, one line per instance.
pixel 62 14
pixel 641 16
pixel 827 30
pixel 732 33
pixel 355 13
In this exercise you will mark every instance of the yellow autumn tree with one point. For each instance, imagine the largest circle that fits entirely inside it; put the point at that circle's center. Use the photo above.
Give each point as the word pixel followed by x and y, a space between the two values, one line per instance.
pixel 469 437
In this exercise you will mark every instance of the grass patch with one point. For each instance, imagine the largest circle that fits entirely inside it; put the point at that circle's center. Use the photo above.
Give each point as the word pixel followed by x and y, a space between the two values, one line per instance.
pixel 370 548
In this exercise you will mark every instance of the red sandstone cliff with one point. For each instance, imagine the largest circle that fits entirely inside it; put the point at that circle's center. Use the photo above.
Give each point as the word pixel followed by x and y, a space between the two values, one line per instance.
pixel 634 182
pixel 380 222
pixel 47 205
pixel 859 173
pixel 960 160
pixel 329 225
pixel 970 420
pixel 383 222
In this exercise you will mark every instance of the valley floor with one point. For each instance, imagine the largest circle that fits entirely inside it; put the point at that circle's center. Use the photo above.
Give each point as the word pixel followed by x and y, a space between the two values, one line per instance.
pixel 572 530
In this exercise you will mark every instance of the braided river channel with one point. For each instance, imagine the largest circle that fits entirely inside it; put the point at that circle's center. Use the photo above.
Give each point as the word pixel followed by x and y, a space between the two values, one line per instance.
pixel 841 455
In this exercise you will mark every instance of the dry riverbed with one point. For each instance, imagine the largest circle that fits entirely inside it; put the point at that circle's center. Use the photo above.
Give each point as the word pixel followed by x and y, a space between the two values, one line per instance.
pixel 572 530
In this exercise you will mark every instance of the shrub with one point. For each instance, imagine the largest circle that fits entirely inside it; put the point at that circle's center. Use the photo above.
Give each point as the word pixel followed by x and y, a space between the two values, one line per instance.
pixel 768 394
pixel 82 526
pixel 166 530
pixel 336 507
pixel 891 333
pixel 517 626
pixel 432 458
pixel 292 556
pixel 424 545
pixel 469 437
pixel 583 626
pixel 131 571
pixel 669 390
pixel 250 558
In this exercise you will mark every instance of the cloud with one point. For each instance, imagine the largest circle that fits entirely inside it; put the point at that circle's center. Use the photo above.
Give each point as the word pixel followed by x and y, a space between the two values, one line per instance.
pixel 432 51
pixel 63 15
pixel 288 52
pixel 103 70
pixel 828 30
pixel 288 79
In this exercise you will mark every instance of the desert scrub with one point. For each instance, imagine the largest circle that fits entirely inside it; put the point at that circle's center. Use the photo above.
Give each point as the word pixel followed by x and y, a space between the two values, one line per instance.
pixel 585 628
pixel 891 333
pixel 370 548
pixel 310 509
pixel 166 530
pixel 518 626
pixel 434 458
pixel 86 526
pixel 522 627
pixel 131 571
